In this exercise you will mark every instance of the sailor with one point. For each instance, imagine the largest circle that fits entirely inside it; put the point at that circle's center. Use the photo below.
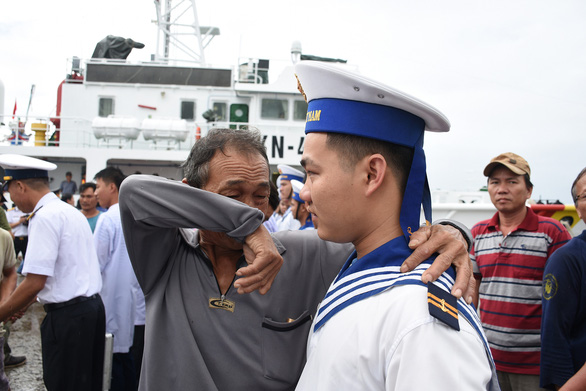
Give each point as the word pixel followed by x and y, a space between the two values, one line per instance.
pixel 62 271
pixel 366 182
pixel 288 173
pixel 298 207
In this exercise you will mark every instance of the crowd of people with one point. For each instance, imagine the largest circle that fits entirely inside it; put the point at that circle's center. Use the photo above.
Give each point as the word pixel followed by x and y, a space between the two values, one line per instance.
pixel 320 280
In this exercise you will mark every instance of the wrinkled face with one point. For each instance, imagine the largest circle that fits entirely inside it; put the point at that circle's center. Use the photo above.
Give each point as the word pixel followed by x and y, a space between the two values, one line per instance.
pixel 329 193
pixel 104 193
pixel 286 190
pixel 241 177
pixel 508 191
pixel 88 200
pixel 581 204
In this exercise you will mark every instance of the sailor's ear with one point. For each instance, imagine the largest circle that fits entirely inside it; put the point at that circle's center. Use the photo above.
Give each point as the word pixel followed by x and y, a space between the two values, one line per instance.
pixel 375 167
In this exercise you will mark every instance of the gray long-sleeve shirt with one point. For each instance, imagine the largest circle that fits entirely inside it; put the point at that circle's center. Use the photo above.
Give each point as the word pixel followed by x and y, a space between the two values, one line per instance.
pixel 189 343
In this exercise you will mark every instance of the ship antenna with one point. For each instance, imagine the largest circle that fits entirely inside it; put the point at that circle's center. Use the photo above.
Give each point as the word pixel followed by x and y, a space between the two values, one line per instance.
pixel 178 27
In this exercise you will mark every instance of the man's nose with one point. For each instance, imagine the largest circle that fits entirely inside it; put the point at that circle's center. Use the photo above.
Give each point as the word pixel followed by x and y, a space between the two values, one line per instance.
pixel 305 193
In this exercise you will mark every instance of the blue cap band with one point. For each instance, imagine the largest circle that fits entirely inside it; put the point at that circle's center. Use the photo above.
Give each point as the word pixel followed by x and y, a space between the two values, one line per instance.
pixel 297 198
pixel 364 119
pixel 288 177
pixel 25 173
pixel 387 124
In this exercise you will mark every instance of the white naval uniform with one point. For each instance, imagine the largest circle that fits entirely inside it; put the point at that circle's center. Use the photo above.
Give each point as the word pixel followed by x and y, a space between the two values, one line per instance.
pixel 374 331
pixel 287 222
pixel 118 291
pixel 61 247
pixel 401 347
pixel 13 215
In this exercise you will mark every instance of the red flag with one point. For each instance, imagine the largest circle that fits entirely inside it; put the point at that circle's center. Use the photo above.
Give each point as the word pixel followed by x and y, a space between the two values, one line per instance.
pixel 14 111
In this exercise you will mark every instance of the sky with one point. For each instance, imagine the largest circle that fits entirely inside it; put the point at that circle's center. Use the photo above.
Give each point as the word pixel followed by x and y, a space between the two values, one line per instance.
pixel 510 75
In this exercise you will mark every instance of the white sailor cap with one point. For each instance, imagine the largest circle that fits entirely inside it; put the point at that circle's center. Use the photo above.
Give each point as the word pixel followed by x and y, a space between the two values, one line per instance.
pixel 342 101
pixel 24 167
pixel 297 186
pixel 278 181
pixel 288 173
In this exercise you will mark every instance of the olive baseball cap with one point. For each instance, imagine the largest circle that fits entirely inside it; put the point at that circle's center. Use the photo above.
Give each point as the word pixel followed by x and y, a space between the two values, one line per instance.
pixel 510 160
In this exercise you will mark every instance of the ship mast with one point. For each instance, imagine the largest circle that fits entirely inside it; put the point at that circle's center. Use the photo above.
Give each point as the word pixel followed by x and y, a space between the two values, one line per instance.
pixel 178 27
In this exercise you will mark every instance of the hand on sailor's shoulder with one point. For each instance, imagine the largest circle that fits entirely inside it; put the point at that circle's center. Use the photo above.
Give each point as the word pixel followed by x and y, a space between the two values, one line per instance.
pixel 452 248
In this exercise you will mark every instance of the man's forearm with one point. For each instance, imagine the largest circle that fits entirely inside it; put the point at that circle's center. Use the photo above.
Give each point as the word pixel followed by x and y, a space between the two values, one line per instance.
pixel 576 382
pixel 170 204
pixel 22 296
pixel 8 284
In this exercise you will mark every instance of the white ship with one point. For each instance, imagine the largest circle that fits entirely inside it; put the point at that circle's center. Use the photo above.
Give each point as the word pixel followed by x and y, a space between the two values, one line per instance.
pixel 144 117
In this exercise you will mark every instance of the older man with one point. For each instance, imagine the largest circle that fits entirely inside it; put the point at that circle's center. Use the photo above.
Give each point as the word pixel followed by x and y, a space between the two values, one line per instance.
pixel 510 252
pixel 563 325
pixel 191 281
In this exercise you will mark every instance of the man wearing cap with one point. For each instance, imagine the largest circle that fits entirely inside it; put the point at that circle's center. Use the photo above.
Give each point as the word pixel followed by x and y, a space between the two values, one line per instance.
pixel 377 328
pixel 509 254
pixel 62 271
pixel 192 280
pixel 563 326
pixel 298 208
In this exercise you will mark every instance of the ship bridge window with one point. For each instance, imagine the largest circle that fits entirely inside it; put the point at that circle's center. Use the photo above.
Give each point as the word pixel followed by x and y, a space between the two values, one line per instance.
pixel 299 110
pixel 220 110
pixel 105 107
pixel 188 110
pixel 274 109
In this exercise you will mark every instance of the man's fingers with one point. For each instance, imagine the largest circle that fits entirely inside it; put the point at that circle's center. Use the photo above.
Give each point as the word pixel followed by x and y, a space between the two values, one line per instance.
pixel 442 262
pixel 420 254
pixel 419 236
pixel 464 285
pixel 260 281
pixel 469 294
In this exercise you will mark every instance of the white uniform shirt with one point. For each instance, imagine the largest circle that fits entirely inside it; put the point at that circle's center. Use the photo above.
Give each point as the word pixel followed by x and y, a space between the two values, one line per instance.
pixel 13 215
pixel 61 247
pixel 140 314
pixel 118 279
pixel 288 222
pixel 400 347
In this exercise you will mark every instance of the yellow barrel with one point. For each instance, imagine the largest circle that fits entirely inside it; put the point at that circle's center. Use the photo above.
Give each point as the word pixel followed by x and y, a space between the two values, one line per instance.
pixel 40 130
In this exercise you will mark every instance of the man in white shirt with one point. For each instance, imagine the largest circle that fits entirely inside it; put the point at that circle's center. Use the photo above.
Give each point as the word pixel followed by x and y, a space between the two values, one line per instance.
pixel 120 286
pixel 62 270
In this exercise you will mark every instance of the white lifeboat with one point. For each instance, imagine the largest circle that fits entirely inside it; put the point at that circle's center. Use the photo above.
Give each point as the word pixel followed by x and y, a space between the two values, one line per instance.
pixel 116 127
pixel 164 129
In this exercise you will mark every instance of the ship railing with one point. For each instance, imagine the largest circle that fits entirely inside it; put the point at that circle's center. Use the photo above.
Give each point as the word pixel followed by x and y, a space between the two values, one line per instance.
pixel 77 132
